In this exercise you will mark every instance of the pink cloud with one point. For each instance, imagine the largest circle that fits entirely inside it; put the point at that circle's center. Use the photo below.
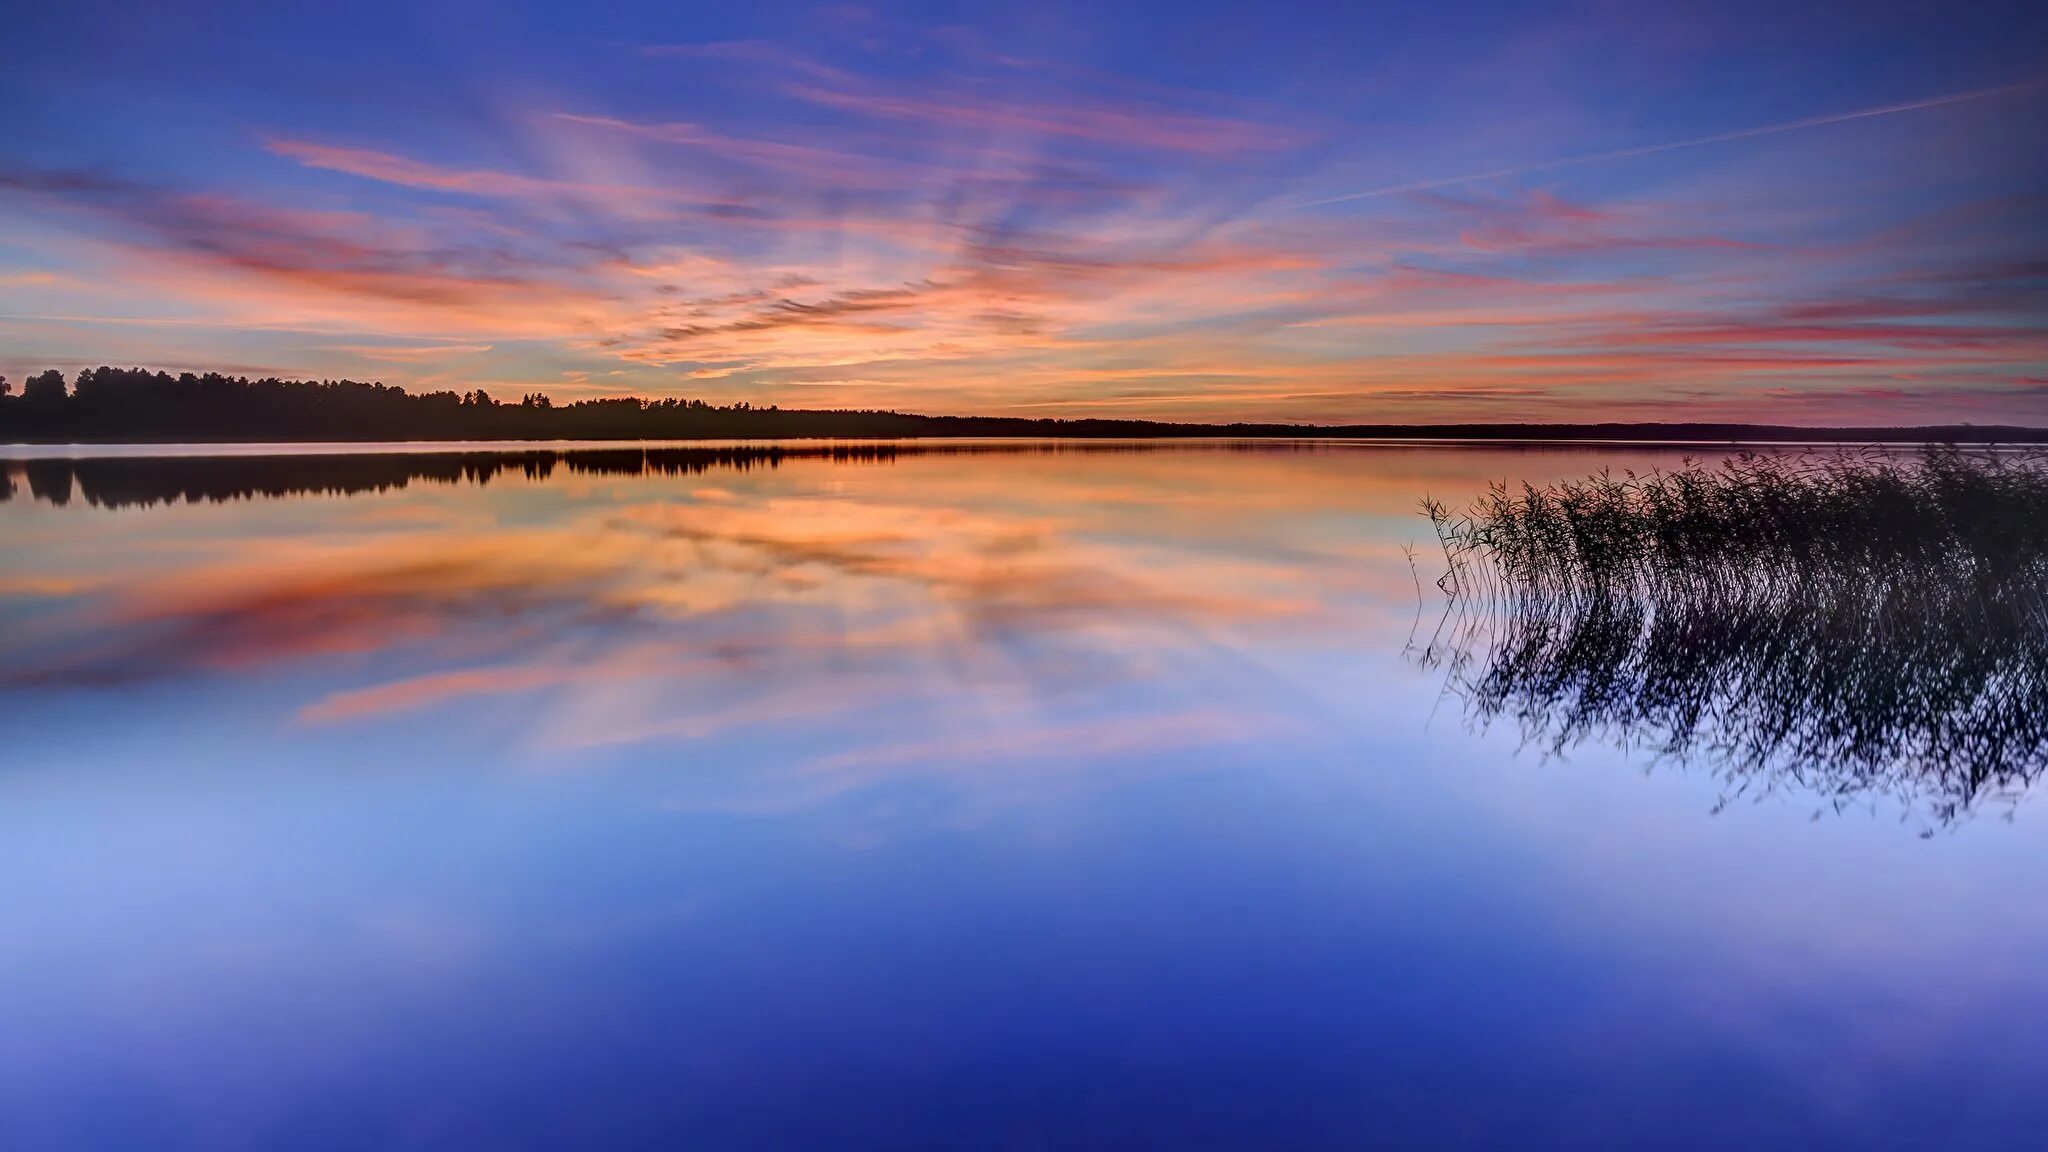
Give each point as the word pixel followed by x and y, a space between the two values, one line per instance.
pixel 1104 124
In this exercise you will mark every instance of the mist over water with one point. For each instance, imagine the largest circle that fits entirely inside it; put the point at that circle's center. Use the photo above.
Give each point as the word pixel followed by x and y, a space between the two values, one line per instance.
pixel 868 795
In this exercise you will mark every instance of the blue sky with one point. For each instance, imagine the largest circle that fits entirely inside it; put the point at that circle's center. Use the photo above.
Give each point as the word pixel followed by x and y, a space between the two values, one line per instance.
pixel 1801 212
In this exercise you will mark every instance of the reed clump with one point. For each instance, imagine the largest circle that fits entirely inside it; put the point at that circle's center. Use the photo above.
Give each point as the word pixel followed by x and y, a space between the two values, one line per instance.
pixel 1847 624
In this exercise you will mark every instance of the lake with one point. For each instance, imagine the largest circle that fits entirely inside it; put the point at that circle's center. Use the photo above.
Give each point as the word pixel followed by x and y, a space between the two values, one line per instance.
pixel 901 796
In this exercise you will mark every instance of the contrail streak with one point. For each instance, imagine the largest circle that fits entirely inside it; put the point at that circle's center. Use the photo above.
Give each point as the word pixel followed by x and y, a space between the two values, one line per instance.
pixel 1674 145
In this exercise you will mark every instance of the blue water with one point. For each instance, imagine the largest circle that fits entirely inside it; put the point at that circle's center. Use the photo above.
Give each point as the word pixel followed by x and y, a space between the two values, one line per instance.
pixel 1049 800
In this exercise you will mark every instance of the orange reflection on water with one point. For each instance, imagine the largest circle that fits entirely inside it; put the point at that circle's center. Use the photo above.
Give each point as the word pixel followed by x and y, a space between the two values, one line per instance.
pixel 999 601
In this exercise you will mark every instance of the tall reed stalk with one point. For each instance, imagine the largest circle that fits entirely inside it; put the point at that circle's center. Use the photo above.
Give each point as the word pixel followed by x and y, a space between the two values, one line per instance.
pixel 1845 624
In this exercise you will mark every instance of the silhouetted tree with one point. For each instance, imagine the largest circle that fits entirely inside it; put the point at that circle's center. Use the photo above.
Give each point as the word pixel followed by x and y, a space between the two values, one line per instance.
pixel 50 480
pixel 142 481
pixel 44 389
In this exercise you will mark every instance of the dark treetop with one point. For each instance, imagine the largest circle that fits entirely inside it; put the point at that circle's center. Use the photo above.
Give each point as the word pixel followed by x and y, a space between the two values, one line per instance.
pixel 136 405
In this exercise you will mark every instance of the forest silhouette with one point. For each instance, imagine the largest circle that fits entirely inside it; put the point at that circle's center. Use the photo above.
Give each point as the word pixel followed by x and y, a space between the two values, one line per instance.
pixel 145 480
pixel 138 405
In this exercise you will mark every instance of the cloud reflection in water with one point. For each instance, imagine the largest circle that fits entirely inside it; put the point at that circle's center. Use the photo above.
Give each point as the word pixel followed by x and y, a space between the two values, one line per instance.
pixel 924 614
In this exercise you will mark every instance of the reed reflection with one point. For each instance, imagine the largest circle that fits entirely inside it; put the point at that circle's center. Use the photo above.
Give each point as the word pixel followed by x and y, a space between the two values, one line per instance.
pixel 1847 627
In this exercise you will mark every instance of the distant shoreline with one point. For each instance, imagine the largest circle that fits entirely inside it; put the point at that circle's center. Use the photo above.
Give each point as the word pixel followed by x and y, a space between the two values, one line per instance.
pixel 119 476
pixel 977 428
pixel 137 406
pixel 1661 435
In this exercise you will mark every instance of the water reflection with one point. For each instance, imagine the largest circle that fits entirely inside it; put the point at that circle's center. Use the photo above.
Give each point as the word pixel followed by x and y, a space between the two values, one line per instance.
pixel 117 481
pixel 674 610
pixel 1842 627
pixel 927 799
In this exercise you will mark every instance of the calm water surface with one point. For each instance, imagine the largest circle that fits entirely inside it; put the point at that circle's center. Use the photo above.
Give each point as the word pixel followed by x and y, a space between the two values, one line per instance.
pixel 1028 799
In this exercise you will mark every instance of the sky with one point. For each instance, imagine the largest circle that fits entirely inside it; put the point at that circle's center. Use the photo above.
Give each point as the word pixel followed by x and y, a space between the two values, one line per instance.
pixel 1795 212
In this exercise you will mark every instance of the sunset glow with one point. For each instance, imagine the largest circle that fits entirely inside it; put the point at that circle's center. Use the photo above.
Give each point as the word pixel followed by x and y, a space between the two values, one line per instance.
pixel 1330 214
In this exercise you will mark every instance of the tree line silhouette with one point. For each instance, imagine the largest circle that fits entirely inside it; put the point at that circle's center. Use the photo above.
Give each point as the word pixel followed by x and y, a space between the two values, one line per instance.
pixel 138 405
pixel 145 481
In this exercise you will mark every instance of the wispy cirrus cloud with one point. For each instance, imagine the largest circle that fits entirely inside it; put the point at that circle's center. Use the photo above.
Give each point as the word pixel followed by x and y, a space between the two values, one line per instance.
pixel 1074 115
pixel 630 202
pixel 1729 137
pixel 942 219
pixel 762 52
pixel 1103 124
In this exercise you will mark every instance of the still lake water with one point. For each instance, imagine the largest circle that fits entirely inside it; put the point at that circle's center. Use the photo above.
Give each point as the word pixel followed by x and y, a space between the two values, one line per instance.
pixel 1052 798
